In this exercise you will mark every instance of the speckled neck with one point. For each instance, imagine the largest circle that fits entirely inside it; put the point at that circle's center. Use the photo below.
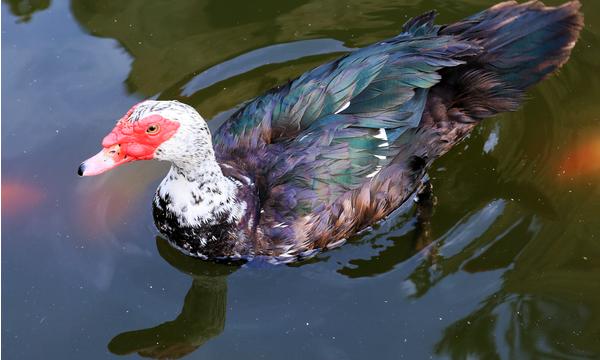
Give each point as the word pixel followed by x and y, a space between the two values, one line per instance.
pixel 200 196
pixel 202 169
pixel 198 208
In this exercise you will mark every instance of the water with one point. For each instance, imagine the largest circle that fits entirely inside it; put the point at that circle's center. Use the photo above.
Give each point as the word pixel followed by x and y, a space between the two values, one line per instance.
pixel 510 269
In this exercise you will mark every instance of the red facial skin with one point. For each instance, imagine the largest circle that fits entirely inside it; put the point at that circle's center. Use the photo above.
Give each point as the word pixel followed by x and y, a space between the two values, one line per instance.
pixel 130 141
pixel 134 139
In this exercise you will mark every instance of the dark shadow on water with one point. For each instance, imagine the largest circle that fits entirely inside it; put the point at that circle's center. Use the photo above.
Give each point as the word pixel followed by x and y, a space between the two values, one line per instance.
pixel 411 232
pixel 201 319
pixel 24 9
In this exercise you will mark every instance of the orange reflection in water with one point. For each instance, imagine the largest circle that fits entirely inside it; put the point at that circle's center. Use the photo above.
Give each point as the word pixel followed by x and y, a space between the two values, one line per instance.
pixel 19 198
pixel 583 159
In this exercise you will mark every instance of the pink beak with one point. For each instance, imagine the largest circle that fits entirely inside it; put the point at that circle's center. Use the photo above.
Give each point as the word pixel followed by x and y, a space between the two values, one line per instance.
pixel 105 160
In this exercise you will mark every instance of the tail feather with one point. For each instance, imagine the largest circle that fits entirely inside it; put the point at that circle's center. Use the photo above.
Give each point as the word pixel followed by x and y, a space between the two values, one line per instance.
pixel 522 44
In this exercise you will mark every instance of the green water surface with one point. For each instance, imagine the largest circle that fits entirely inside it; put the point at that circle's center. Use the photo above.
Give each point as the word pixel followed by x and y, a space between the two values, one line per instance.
pixel 509 266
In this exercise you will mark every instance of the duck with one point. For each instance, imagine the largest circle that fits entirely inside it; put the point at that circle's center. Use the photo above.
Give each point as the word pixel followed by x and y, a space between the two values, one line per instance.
pixel 328 154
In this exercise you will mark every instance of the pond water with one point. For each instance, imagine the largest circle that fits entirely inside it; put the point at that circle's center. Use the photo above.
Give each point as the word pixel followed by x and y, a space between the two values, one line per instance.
pixel 510 266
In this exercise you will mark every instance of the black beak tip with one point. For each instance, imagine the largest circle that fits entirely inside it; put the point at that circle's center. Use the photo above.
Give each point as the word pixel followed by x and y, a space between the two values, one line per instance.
pixel 81 169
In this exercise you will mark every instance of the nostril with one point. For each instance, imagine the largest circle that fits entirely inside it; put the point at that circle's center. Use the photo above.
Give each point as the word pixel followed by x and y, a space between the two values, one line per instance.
pixel 81 169
pixel 116 149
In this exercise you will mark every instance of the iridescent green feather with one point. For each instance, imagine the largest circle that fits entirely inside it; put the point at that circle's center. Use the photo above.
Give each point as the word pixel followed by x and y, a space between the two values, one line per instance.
pixel 330 119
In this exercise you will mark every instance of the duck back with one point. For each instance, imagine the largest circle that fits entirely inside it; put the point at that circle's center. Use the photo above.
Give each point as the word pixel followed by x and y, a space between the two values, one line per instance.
pixel 342 146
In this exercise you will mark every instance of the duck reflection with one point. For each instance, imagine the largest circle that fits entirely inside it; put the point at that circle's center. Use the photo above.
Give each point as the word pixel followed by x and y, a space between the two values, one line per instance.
pixel 201 319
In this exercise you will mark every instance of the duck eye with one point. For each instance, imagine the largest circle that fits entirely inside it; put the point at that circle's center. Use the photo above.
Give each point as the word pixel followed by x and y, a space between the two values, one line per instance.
pixel 152 129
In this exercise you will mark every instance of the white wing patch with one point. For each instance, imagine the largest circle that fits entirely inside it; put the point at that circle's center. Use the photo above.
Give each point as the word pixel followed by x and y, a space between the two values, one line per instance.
pixel 344 107
pixel 377 170
pixel 382 135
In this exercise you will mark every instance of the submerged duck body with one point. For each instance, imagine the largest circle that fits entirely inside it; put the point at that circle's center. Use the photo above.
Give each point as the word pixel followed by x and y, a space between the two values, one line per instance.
pixel 314 161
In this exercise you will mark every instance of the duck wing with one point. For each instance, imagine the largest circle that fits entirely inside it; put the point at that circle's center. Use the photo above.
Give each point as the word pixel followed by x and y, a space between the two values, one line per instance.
pixel 378 82
pixel 343 145
pixel 325 134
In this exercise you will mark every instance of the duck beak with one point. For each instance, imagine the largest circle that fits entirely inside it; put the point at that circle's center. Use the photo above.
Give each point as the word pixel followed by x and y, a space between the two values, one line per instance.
pixel 105 160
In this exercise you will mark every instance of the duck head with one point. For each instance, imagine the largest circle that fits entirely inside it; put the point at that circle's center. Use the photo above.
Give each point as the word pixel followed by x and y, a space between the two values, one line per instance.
pixel 163 130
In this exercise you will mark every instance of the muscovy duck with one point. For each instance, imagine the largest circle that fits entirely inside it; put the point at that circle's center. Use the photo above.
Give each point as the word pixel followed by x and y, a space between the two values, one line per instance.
pixel 314 161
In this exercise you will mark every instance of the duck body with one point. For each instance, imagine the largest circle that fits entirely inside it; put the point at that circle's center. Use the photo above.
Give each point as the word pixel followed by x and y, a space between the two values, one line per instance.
pixel 314 161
